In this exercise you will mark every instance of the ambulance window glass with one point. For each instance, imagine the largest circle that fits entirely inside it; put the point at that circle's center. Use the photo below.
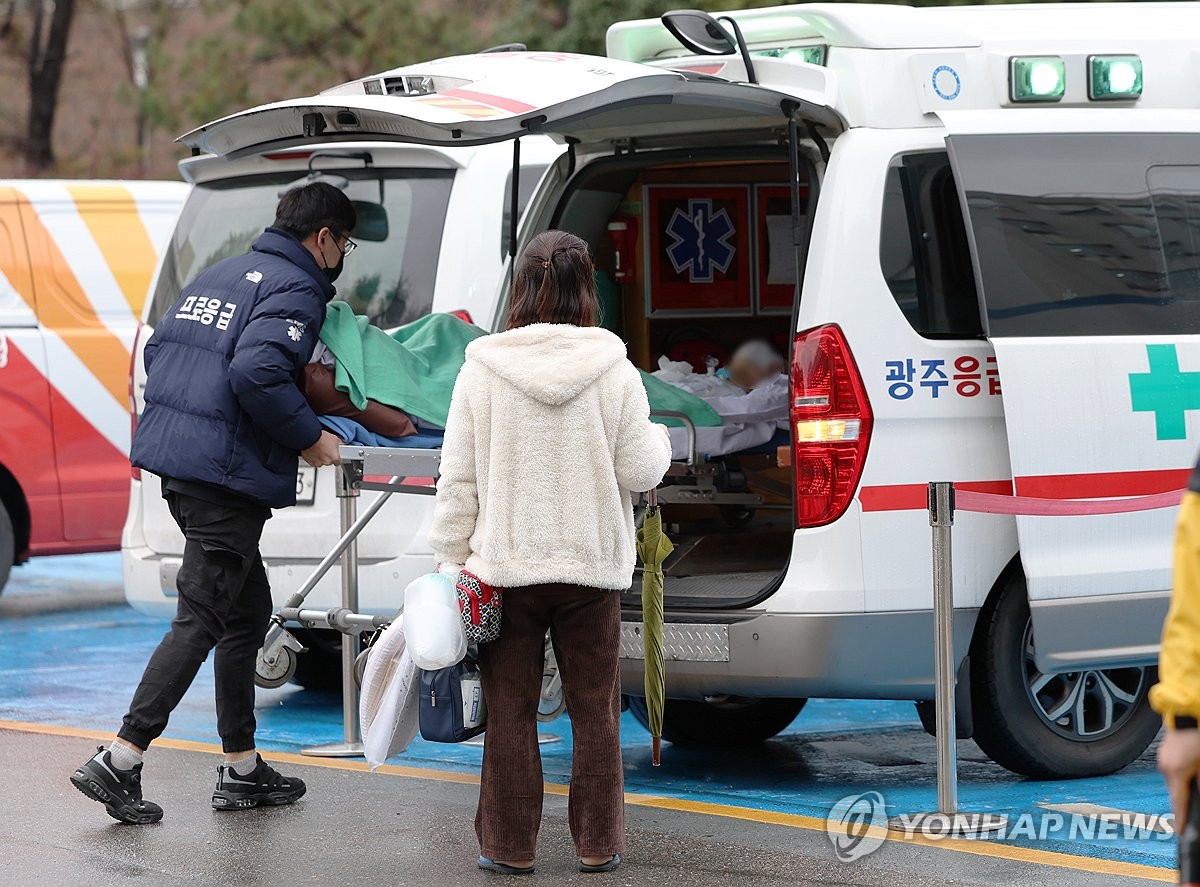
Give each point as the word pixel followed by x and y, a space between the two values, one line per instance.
pixel 389 281
pixel 923 250
pixel 1085 234
pixel 1175 192
pixel 530 176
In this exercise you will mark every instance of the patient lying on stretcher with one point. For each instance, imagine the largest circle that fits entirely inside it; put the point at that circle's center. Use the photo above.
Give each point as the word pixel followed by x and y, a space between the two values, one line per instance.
pixel 750 395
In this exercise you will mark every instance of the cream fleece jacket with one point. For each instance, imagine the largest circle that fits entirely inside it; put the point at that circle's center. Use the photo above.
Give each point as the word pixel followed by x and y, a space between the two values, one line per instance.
pixel 548 436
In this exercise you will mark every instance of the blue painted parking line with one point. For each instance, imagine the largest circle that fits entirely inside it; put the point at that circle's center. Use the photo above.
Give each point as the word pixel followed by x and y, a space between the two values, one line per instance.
pixel 78 669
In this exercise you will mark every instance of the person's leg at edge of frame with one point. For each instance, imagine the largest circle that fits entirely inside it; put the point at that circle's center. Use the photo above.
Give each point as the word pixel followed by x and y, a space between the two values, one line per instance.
pixel 510 790
pixel 586 628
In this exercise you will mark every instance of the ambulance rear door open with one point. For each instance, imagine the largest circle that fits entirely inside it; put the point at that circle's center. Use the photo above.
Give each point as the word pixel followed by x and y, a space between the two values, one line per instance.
pixel 1084 228
pixel 586 100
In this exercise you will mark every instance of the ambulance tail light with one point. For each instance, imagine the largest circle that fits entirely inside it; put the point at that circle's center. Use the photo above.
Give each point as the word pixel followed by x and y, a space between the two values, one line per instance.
pixel 831 425
pixel 133 409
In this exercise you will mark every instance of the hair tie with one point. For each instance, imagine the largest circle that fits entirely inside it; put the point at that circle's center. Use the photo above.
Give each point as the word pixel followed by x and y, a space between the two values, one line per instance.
pixel 546 264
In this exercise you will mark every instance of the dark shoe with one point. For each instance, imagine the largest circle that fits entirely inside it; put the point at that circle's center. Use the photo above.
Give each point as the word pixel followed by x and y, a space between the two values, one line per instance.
pixel 500 868
pixel 602 867
pixel 263 786
pixel 120 791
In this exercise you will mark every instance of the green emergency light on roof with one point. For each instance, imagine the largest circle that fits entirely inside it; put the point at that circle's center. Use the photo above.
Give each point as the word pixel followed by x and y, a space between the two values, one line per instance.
pixel 1114 77
pixel 1041 78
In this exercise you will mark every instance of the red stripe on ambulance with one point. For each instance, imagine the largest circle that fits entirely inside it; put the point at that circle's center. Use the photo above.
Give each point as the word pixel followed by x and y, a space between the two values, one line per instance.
pixel 494 100
pixel 1102 485
pixel 911 497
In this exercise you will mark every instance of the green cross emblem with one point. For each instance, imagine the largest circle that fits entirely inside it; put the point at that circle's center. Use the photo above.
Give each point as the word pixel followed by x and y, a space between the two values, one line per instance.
pixel 1166 392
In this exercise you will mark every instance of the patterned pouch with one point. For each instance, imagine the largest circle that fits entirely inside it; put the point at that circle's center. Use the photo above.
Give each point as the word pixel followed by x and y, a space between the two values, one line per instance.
pixel 480 605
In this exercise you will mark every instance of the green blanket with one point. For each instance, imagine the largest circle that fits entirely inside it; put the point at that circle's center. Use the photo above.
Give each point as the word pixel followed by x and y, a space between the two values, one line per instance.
pixel 667 397
pixel 414 367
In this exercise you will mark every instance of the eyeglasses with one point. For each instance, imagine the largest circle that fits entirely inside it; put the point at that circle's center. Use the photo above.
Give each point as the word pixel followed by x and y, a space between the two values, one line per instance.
pixel 350 246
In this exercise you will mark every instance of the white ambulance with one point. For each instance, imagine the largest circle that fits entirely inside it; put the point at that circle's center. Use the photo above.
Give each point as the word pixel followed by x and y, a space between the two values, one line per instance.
pixel 76 259
pixel 976 230
pixel 434 228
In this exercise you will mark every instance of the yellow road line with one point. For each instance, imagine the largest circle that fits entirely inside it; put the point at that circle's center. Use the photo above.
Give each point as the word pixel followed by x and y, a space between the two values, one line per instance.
pixel 726 811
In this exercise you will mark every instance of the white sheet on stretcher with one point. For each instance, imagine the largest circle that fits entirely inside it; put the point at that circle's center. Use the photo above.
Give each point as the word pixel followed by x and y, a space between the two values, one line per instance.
pixel 747 420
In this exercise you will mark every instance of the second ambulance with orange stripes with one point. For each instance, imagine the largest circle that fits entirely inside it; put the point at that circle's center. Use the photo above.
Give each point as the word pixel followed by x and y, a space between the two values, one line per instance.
pixel 76 262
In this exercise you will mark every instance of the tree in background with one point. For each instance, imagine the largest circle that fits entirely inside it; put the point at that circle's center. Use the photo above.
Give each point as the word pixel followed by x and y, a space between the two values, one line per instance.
pixel 142 29
pixel 312 46
pixel 39 33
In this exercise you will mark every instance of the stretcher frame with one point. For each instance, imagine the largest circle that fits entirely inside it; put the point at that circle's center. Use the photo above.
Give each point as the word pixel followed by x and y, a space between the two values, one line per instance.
pixel 277 658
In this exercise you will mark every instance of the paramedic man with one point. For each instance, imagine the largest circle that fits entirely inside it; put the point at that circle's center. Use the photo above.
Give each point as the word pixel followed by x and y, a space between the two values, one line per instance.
pixel 223 425
pixel 1177 695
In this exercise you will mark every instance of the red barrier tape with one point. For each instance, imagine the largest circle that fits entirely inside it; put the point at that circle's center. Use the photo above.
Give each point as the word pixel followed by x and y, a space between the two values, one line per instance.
pixel 992 503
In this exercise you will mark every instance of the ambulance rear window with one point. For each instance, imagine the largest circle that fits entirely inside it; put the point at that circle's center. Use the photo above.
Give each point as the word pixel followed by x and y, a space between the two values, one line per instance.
pixel 390 281
pixel 1085 234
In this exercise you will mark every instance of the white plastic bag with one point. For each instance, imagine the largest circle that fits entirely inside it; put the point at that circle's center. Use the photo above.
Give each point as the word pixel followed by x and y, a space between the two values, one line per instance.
pixel 432 625
pixel 390 693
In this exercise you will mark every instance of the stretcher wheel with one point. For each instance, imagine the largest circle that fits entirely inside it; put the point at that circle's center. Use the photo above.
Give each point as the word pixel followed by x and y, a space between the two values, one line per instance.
pixel 360 667
pixel 271 676
pixel 552 702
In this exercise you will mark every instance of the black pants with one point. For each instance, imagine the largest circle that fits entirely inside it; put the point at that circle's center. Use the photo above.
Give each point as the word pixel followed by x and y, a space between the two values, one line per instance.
pixel 224 602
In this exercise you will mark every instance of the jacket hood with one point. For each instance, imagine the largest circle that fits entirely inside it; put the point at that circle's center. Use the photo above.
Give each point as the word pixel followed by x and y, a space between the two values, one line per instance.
pixel 551 362
pixel 277 242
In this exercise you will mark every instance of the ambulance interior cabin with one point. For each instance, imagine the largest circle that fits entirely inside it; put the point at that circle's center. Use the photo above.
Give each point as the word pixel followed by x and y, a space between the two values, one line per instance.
pixel 694 260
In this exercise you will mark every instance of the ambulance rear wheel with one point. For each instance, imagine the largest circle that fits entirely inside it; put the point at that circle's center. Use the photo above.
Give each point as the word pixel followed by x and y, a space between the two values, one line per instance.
pixel 1059 726
pixel 721 721
pixel 8 546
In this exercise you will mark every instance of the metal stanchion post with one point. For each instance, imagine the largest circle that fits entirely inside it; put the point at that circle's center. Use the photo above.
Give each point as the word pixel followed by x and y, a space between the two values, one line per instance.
pixel 947 820
pixel 941 519
pixel 347 495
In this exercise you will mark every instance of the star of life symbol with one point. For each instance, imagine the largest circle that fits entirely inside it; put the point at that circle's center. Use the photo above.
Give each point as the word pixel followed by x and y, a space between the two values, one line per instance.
pixel 700 241
pixel 254 276
pixel 294 333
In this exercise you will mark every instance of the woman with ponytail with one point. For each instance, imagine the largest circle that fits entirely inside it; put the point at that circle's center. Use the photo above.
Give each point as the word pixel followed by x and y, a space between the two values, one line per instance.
pixel 547 440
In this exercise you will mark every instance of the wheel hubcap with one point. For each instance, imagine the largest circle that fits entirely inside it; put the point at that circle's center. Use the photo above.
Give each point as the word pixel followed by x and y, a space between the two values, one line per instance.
pixel 1082 705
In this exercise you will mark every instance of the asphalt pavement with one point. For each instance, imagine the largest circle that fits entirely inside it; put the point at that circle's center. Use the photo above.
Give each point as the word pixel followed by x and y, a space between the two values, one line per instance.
pixel 71 652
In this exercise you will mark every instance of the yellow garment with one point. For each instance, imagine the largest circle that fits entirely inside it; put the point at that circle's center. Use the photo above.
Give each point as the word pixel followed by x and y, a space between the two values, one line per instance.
pixel 1178 690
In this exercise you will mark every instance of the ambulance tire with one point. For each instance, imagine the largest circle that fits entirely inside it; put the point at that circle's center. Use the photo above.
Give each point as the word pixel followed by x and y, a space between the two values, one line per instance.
pixel 1013 730
pixel 8 546
pixel 319 668
pixel 721 722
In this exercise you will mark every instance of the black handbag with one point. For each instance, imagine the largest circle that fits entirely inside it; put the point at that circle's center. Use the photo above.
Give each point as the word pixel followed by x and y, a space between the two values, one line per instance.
pixel 451 706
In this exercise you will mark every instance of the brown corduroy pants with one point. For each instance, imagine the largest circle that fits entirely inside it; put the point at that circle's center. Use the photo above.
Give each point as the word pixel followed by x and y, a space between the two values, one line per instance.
pixel 584 625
